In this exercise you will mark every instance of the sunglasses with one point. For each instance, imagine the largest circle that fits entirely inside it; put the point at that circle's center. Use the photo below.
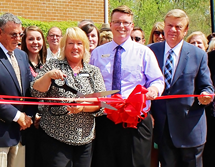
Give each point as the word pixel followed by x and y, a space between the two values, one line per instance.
pixel 137 39
pixel 19 44
pixel 15 35
pixel 158 33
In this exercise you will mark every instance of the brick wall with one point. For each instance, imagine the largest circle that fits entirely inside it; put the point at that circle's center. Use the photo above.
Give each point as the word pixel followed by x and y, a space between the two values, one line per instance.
pixel 55 10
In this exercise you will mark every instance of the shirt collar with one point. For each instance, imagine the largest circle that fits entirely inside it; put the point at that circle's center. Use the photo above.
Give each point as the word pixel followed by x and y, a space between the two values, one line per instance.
pixel 4 49
pixel 124 45
pixel 176 49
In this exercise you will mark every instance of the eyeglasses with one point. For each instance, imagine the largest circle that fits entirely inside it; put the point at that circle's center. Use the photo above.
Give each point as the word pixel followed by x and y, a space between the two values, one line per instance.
pixel 16 35
pixel 158 33
pixel 118 23
pixel 57 36
pixel 137 39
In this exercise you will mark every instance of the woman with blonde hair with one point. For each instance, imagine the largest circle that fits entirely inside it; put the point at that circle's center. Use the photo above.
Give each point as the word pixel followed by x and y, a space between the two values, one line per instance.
pixel 198 39
pixel 157 33
pixel 67 132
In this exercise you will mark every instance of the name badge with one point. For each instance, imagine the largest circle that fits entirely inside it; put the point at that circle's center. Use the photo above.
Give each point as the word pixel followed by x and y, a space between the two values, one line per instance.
pixel 106 55
pixel 83 74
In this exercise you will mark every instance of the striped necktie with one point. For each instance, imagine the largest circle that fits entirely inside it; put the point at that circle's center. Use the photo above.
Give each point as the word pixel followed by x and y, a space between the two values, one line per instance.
pixel 15 66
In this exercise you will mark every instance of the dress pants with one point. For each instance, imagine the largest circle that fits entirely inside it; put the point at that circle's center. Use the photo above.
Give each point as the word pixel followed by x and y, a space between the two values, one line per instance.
pixel 13 156
pixel 209 150
pixel 116 146
pixel 170 156
pixel 32 145
pixel 58 154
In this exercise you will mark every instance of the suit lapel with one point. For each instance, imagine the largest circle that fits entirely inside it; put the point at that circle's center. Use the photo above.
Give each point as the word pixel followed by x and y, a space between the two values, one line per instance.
pixel 160 56
pixel 8 66
pixel 184 55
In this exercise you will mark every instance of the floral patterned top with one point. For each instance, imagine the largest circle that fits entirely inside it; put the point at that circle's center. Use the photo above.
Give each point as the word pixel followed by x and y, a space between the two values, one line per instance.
pixel 72 129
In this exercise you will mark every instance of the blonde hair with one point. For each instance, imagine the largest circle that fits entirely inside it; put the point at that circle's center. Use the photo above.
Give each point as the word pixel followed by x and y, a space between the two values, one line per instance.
pixel 106 35
pixel 195 33
pixel 178 13
pixel 211 45
pixel 75 33
pixel 158 26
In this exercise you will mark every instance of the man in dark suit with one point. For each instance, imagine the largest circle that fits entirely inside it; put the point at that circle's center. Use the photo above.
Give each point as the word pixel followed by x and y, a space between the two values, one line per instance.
pixel 209 150
pixel 180 124
pixel 15 81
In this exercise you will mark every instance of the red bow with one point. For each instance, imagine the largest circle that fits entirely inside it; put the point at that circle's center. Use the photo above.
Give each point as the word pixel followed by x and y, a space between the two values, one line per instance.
pixel 128 110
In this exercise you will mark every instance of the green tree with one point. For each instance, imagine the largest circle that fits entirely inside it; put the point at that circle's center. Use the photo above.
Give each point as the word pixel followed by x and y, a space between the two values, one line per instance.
pixel 147 12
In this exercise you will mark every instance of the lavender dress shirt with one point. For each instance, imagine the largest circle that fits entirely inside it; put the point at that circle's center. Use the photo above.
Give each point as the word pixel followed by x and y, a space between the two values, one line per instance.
pixel 139 66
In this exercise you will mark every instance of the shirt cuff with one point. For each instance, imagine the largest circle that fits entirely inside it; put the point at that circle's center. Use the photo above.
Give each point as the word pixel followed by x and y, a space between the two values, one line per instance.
pixel 17 116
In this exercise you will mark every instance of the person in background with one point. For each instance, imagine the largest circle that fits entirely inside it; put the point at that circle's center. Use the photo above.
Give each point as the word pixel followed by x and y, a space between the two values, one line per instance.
pixel 198 39
pixel 180 123
pixel 105 37
pixel 157 33
pixel 15 81
pixel 210 36
pixel 67 132
pixel 19 45
pixel 93 35
pixel 138 35
pixel 33 43
pixel 209 149
pixel 53 38
pixel 105 34
pixel 211 45
pixel 84 22
pixel 116 146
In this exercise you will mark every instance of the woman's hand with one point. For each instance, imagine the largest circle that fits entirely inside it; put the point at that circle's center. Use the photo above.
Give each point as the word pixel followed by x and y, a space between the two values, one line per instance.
pixel 75 109
pixel 43 84
pixel 56 74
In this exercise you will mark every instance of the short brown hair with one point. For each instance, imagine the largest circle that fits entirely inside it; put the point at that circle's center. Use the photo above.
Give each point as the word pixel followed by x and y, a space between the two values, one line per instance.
pixel 123 9
pixel 88 28
pixel 141 30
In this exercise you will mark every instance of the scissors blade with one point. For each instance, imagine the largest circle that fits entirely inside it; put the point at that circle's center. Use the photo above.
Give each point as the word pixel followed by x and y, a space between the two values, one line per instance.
pixel 101 94
pixel 105 105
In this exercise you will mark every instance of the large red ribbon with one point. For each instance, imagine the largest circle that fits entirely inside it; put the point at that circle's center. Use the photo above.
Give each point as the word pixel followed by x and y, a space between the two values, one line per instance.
pixel 128 110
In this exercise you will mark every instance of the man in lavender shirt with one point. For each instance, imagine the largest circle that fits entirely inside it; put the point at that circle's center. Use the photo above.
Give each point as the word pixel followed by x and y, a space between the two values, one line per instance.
pixel 116 146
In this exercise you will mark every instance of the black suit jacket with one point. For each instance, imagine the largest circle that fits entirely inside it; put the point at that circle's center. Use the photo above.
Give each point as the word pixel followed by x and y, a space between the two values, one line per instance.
pixel 10 130
pixel 186 118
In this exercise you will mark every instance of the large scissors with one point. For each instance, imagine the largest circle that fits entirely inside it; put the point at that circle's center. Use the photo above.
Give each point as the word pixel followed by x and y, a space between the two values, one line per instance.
pixel 67 87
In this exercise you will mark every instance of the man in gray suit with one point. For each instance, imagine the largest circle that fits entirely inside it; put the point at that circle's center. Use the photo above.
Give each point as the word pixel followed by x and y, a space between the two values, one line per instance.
pixel 180 124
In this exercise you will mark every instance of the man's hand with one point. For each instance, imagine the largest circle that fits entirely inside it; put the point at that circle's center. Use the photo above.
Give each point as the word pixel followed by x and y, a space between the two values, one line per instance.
pixel 24 121
pixel 205 99
pixel 152 93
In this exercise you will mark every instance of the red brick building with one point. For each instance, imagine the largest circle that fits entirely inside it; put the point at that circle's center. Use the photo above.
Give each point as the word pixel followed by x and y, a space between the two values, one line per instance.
pixel 55 10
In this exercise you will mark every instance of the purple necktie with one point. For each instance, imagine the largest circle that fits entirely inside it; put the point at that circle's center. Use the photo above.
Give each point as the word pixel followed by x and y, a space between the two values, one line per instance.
pixel 116 82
